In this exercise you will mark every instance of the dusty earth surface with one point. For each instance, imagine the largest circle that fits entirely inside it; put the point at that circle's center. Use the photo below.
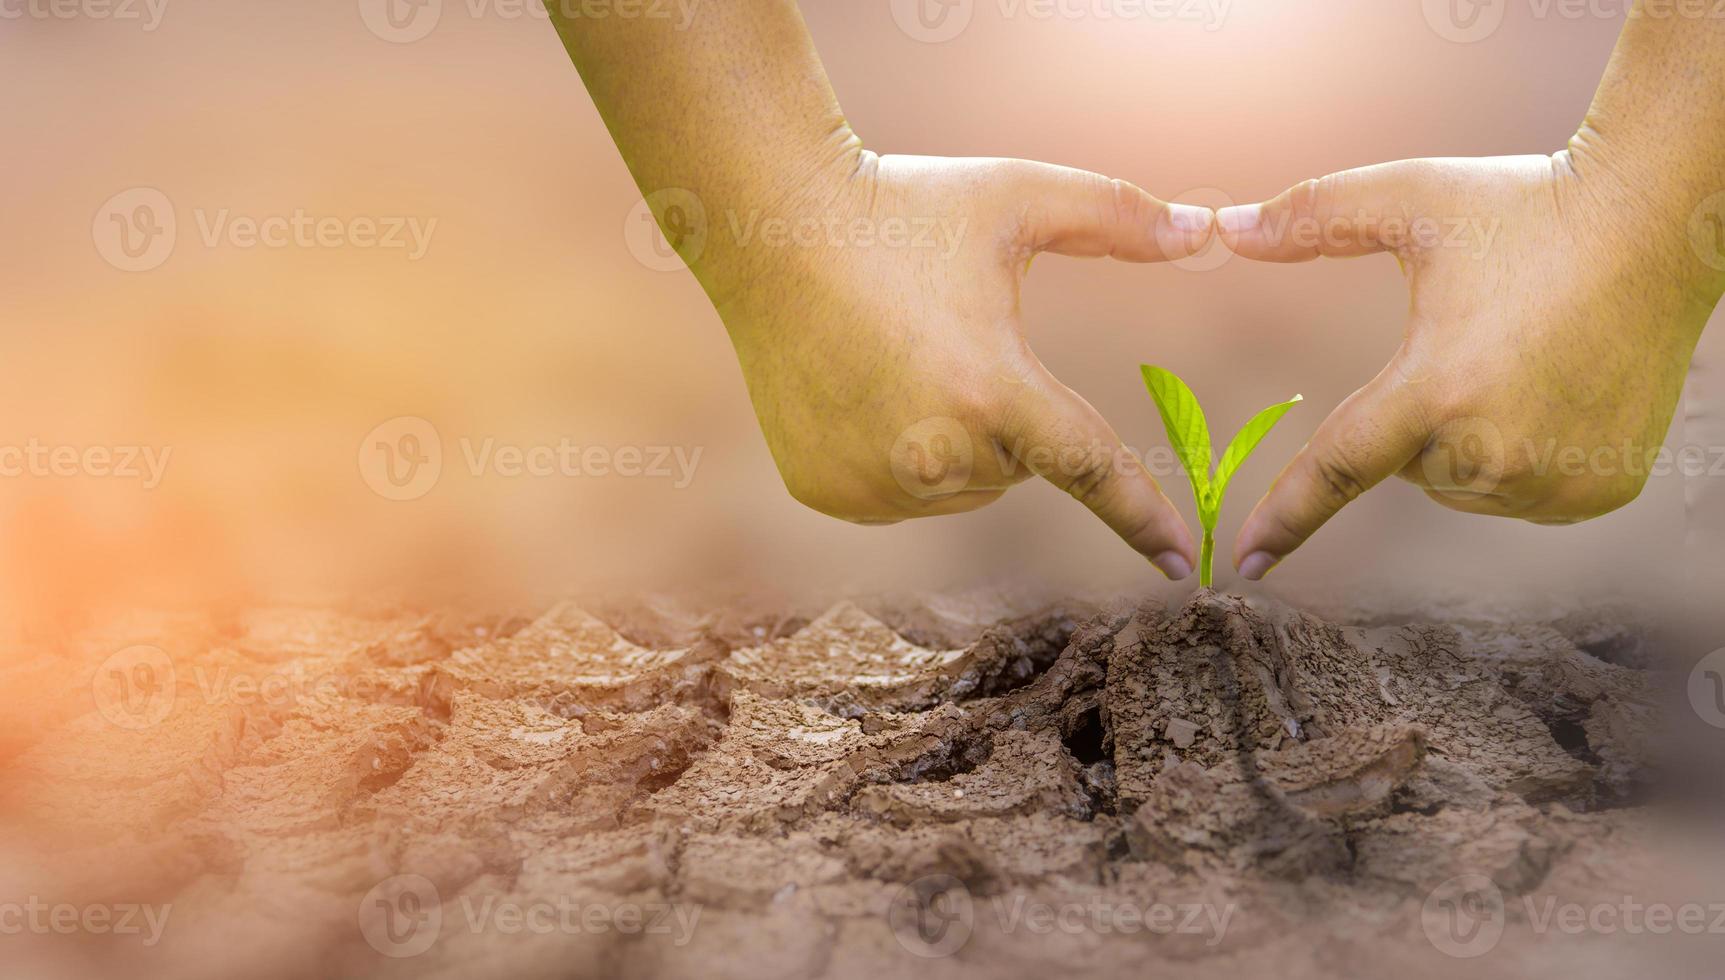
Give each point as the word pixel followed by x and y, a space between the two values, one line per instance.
pixel 960 786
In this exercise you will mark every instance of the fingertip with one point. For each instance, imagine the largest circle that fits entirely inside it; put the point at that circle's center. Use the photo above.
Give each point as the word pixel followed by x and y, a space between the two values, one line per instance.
pixel 1254 541
pixel 1165 539
pixel 1257 565
pixel 1238 223
pixel 1174 565
pixel 1185 229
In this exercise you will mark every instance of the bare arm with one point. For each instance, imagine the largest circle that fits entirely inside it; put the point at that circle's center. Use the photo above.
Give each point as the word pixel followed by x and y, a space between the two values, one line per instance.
pixel 1547 344
pixel 873 301
pixel 731 105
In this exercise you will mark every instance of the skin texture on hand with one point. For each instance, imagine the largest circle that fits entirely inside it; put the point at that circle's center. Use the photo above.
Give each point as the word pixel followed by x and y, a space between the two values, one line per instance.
pixel 890 373
pixel 1553 317
pixel 1556 302
pixel 873 301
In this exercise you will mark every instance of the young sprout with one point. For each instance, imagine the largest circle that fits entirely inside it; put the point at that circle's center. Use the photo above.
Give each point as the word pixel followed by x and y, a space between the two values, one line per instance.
pixel 1190 436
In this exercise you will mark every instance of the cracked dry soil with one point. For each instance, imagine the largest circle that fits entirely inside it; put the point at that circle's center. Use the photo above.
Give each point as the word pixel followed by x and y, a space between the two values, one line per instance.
pixel 944 787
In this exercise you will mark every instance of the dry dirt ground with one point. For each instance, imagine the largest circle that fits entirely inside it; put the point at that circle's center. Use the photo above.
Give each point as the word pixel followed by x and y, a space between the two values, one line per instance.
pixel 954 787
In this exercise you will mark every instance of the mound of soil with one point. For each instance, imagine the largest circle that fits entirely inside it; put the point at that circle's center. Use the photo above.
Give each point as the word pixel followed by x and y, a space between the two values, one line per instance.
pixel 645 790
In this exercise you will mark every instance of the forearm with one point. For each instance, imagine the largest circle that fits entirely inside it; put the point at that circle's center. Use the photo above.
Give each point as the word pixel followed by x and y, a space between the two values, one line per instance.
pixel 1657 123
pixel 732 106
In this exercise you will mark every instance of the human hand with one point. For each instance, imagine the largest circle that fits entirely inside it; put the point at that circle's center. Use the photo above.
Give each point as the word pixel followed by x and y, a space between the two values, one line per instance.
pixel 890 373
pixel 1555 305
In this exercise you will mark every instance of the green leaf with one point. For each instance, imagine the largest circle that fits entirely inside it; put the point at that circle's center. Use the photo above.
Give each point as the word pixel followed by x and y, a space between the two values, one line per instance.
pixel 1242 446
pixel 1184 420
pixel 1187 431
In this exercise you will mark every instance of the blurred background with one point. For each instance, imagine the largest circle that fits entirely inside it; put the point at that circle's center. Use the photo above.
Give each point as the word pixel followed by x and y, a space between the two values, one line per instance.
pixel 516 309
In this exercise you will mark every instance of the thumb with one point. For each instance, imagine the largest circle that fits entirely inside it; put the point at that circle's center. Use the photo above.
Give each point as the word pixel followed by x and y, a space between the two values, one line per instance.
pixel 1344 215
pixel 1073 212
pixel 1371 436
pixel 1058 436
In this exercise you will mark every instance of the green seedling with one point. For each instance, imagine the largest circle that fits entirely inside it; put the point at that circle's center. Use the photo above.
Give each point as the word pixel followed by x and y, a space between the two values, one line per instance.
pixel 1190 437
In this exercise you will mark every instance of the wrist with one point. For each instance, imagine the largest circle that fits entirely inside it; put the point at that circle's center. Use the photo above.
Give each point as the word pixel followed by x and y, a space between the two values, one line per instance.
pixel 770 223
pixel 1652 206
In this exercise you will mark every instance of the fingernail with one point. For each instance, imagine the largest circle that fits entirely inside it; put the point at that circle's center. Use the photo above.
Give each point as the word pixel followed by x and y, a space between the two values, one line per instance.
pixel 1257 565
pixel 1173 564
pixel 1239 218
pixel 1190 219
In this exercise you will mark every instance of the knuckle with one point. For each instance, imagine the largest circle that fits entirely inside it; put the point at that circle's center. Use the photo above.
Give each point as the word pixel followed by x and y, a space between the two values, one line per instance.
pixel 1127 206
pixel 1312 197
pixel 1091 480
pixel 1337 480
